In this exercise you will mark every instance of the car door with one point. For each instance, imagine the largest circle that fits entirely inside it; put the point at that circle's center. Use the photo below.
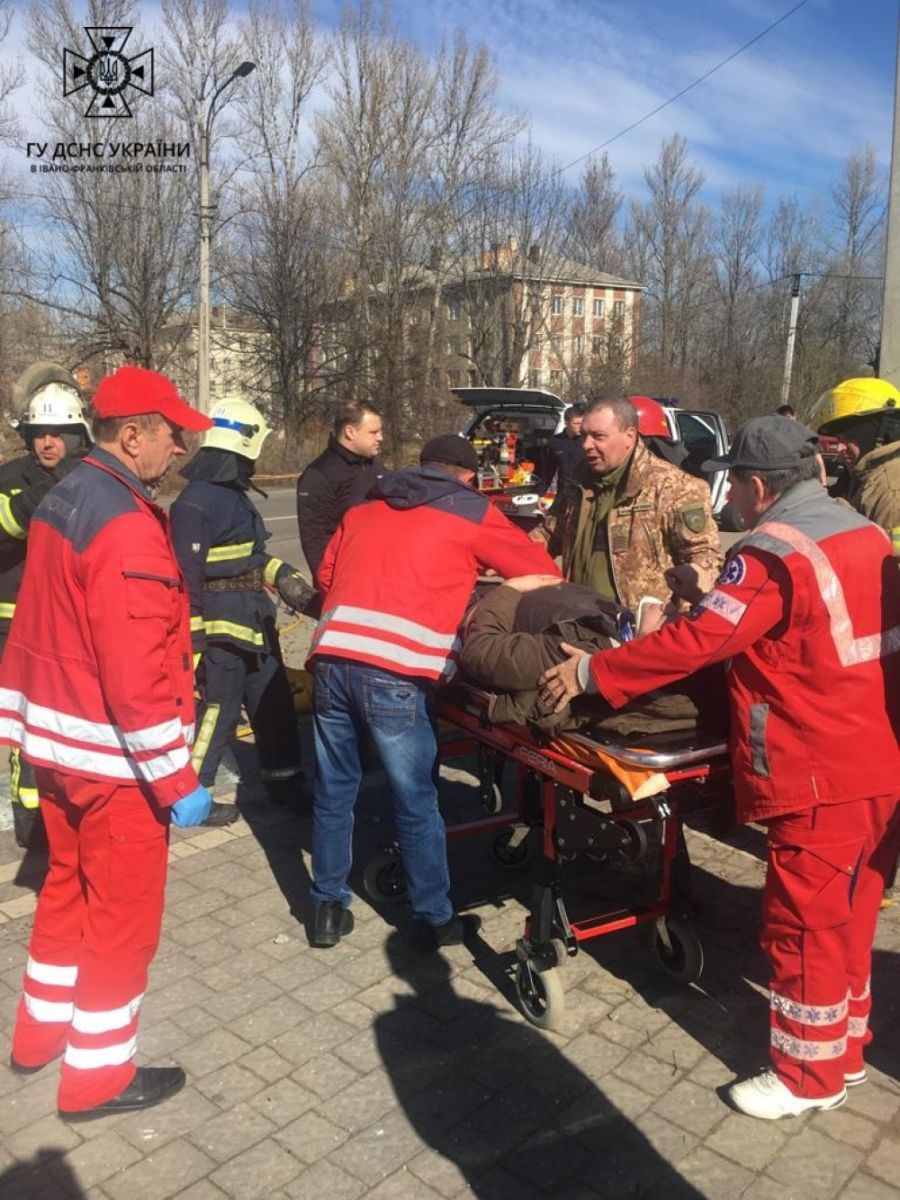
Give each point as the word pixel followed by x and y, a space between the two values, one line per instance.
pixel 704 437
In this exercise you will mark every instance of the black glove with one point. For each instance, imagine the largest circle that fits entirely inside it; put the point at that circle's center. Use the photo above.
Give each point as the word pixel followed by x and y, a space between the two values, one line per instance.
pixel 295 591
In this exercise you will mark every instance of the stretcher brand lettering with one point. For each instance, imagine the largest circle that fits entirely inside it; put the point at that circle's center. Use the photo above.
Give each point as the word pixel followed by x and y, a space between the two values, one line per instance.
pixel 537 760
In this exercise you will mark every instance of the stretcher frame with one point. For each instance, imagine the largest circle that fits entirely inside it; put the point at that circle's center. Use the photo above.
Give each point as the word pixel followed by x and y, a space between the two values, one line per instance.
pixel 552 789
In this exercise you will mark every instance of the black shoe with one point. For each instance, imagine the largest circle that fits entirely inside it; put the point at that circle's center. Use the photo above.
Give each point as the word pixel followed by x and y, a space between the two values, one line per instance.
pixel 455 932
pixel 151 1085
pixel 221 814
pixel 332 922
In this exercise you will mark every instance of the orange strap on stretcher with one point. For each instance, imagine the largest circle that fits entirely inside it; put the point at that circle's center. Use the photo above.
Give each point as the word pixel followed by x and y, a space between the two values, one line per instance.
pixel 639 782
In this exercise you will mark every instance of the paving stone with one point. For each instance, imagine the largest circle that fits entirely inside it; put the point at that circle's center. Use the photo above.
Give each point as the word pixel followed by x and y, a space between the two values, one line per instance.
pixel 379 1150
pixel 256 1173
pixel 501 1184
pixel 865 1187
pixel 162 1174
pixel 161 1040
pixel 263 1022
pixel 38 1183
pixel 844 1126
pixel 814 1166
pixel 751 1147
pixel 696 1108
pixel 157 1126
pixel 92 1162
pixel 229 1133
pixel 204 1190
pixel 884 1161
pixel 234 999
pixel 196 1023
pixel 439 1172
pixel 173 998
pixel 876 1103
pixel 197 929
pixel 362 1102
pixel 318 1033
pixel 325 1181
pixel 311 1137
pixel 325 1075
pixel 326 991
pixel 229 1085
pixel 713 1175
pixel 283 1101
pixel 32 1100
pixel 49 1134
pixel 647 1073
pixel 215 1049
pixel 264 1062
pixel 402 1185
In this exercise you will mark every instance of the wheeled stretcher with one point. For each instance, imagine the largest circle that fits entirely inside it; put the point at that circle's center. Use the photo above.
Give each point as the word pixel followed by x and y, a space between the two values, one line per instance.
pixel 615 809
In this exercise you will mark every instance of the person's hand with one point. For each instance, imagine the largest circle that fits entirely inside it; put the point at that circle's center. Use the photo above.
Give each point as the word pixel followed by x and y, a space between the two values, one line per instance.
pixel 530 583
pixel 652 615
pixel 192 809
pixel 559 684
pixel 686 583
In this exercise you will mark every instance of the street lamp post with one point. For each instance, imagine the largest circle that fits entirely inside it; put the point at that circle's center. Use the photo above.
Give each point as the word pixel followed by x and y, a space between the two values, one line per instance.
pixel 204 122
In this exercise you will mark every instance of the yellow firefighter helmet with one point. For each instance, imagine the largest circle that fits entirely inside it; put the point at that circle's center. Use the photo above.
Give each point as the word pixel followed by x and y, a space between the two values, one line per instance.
pixel 852 399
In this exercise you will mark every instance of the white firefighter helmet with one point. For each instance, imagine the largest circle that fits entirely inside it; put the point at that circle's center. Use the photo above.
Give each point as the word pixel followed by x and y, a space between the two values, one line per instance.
pixel 50 398
pixel 237 426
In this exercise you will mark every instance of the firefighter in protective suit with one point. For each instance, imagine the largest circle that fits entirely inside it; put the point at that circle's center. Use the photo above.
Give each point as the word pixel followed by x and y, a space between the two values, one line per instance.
pixel 220 541
pixel 864 415
pixel 56 437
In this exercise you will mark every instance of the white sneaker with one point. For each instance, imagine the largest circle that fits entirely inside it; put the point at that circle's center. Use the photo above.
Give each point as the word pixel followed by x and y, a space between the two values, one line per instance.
pixel 855 1078
pixel 765 1096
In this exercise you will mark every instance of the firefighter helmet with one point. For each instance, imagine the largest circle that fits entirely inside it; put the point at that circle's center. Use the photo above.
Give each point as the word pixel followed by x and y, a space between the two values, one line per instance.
pixel 651 417
pixel 237 426
pixel 48 397
pixel 852 399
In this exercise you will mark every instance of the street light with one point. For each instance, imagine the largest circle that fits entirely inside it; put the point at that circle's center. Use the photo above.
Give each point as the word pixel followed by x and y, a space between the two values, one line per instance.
pixel 204 121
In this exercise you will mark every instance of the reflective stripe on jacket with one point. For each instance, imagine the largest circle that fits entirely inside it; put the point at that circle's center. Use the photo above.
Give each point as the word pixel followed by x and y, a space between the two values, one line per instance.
pixel 807 610
pixel 96 677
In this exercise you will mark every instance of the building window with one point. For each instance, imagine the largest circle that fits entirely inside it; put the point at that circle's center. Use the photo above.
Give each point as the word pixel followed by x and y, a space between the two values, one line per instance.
pixel 534 299
pixel 556 378
pixel 556 307
pixel 556 343
pixel 598 308
pixel 597 346
pixel 534 378
pixel 534 342
pixel 619 309
pixel 473 378
pixel 578 344
pixel 453 379
pixel 578 307
pixel 454 310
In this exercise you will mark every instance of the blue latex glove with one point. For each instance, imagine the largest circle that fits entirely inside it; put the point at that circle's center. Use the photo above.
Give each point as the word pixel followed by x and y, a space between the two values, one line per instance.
pixel 192 809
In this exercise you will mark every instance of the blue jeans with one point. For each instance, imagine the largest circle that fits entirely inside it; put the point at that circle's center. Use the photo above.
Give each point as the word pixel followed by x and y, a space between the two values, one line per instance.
pixel 353 701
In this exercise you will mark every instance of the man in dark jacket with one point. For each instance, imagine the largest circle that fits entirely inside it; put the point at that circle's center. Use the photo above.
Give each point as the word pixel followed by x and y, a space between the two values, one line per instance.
pixel 56 437
pixel 567 444
pixel 339 478
pixel 220 541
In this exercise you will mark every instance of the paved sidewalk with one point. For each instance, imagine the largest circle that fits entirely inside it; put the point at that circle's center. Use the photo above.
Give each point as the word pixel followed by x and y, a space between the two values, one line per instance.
pixel 369 1071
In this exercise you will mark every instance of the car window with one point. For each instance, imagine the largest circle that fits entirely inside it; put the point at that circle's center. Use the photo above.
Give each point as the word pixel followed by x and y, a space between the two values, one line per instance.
pixel 699 437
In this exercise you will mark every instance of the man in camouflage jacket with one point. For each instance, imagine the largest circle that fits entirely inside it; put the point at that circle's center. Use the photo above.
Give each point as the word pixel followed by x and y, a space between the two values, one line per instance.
pixel 626 517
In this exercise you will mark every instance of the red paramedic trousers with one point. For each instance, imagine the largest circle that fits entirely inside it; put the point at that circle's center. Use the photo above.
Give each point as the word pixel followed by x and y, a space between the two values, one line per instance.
pixel 96 930
pixel 824 882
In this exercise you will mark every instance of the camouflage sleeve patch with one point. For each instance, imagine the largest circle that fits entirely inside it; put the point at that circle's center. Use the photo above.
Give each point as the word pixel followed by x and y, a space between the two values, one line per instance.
pixel 694 518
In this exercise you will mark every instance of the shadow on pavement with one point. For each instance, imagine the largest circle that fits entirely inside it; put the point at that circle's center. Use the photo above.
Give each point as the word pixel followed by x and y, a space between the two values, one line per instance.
pixel 498 1100
pixel 44 1176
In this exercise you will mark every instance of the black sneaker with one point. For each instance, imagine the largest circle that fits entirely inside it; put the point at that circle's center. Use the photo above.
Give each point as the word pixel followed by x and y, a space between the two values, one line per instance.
pixel 221 814
pixel 455 932
pixel 332 922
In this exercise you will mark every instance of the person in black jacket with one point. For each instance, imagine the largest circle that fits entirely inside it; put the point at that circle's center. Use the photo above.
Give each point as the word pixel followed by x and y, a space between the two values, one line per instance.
pixel 220 542
pixel 56 437
pixel 567 444
pixel 339 478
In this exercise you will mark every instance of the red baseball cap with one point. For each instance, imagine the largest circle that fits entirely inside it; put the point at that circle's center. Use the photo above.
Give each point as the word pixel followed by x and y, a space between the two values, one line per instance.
pixel 133 391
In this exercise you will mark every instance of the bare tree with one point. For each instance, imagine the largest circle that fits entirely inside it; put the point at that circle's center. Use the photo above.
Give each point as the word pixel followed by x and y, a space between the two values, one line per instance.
pixel 592 218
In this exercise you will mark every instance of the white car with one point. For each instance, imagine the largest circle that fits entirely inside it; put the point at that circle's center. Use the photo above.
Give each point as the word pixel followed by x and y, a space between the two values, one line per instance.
pixel 535 416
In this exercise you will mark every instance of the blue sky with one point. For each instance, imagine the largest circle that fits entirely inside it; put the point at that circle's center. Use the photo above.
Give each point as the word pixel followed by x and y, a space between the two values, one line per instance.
pixel 786 113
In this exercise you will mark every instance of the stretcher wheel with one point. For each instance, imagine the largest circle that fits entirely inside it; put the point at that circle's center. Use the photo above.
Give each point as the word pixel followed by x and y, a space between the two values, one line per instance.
pixel 540 994
pixel 384 878
pixel 684 961
pixel 510 857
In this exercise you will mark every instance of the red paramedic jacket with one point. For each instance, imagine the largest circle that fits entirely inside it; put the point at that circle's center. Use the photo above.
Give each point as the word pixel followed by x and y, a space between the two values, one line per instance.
pixel 397 575
pixel 807 610
pixel 96 678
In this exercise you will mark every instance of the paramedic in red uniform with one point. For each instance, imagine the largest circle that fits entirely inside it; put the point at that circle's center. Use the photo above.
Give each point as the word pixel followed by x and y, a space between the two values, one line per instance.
pixel 96 688
pixel 807 610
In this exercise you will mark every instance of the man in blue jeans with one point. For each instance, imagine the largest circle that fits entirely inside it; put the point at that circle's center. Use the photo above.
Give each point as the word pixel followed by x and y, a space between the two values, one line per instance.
pixel 396 578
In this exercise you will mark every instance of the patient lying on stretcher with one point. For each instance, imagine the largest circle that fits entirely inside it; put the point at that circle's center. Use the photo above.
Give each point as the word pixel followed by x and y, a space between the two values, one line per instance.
pixel 513 633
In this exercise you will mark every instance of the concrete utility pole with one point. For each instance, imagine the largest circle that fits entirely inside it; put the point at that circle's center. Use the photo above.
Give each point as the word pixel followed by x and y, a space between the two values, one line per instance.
pixel 205 120
pixel 889 356
pixel 792 336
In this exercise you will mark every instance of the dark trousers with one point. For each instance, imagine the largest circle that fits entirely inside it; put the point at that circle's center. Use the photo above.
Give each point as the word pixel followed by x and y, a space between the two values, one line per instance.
pixel 230 677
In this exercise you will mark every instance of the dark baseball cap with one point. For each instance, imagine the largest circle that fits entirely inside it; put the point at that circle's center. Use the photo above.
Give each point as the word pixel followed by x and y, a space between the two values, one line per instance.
pixel 452 449
pixel 769 443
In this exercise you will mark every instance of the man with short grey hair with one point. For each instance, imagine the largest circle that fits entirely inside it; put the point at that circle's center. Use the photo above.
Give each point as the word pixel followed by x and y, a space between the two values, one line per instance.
pixel 806 611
